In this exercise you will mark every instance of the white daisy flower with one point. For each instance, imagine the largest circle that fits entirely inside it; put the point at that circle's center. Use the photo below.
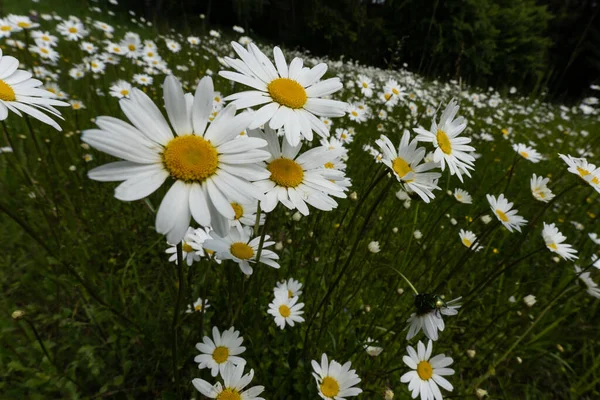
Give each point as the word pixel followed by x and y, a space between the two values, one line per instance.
pixel 450 148
pixel 22 21
pixel 594 237
pixel 210 166
pixel 291 288
pixel 292 95
pixel 286 310
pixel 554 242
pixel 428 317
pixel 462 196
pixel 221 350
pixel 539 188
pixel 372 350
pixel 468 238
pixel 240 247
pixel 131 45
pixel 586 171
pixel 72 30
pixel 529 300
pixel 44 38
pixel 120 89
pixel 501 208
pixel 198 306
pixel 19 92
pixel 365 84
pixel 143 79
pixel 192 246
pixel 407 166
pixel 7 28
pixel 428 372
pixel 234 382
pixel 591 286
pixel 335 381
pixel 527 152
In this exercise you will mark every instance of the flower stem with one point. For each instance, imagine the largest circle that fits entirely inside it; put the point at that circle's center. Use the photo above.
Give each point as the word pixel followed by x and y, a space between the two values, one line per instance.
pixel 175 327
pixel 406 280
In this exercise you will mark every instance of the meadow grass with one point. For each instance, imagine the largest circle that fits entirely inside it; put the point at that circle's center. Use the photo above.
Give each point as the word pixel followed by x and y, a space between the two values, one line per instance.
pixel 95 290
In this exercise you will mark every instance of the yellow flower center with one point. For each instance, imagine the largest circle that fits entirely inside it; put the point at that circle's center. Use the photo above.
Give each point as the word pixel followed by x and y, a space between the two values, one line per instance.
pixel 290 294
pixel 329 165
pixel 501 215
pixel 190 158
pixel 286 172
pixel 229 394
pixel 287 92
pixel 125 92
pixel 24 24
pixel 354 113
pixel 239 210
pixel 6 92
pixel 467 242
pixel 187 248
pixel 73 29
pixel 553 246
pixel 395 91
pixel 284 311
pixel 220 354
pixel 131 47
pixel 6 28
pixel 198 307
pixel 425 370
pixel 241 250
pixel 443 141
pixel 401 167
pixel 387 96
pixel 365 85
pixel 524 154
pixel 330 387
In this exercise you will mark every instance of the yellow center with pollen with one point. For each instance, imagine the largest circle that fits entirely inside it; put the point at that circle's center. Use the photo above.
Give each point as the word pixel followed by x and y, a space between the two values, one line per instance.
pixel 187 248
pixel 329 165
pixel 6 92
pixel 6 28
pixel 354 113
pixel 198 307
pixel 290 294
pixel 287 92
pixel 365 85
pixel 73 30
pixel 425 370
pixel 395 91
pixel 467 242
pixel 401 167
pixel 229 394
pixel 190 158
pixel 131 47
pixel 220 354
pixel 553 246
pixel 125 92
pixel 286 172
pixel 238 209
pixel 524 154
pixel 241 250
pixel 501 215
pixel 23 24
pixel 330 387
pixel 443 141
pixel 387 96
pixel 284 311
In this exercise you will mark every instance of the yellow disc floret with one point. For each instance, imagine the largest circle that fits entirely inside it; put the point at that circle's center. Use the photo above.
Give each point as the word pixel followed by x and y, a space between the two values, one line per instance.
pixel 287 92
pixel 220 354
pixel 286 172
pixel 6 92
pixel 501 215
pixel 425 370
pixel 190 158
pixel 401 167
pixel 241 250
pixel 238 209
pixel 229 394
pixel 330 387
pixel 443 141
pixel 284 311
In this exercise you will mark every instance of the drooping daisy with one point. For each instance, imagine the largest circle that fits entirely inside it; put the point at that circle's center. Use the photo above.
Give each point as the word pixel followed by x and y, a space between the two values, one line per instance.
pixel 221 350
pixel 371 349
pixel 192 246
pixel 428 317
pixel 295 180
pixel 199 305
pixel 468 238
pixel 335 381
pixel 19 92
pixel 554 242
pixel 208 165
pixel 591 286
pixel 234 382
pixel 239 246
pixel 292 96
pixel 291 287
pixel 539 188
pixel 407 167
pixel 428 372
pixel 462 196
pixel 450 148
pixel 527 152
pixel 586 171
pixel 501 208
pixel 286 310
pixel 120 89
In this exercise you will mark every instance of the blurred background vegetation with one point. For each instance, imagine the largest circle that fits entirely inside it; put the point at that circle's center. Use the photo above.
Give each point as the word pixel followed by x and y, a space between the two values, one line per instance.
pixel 535 45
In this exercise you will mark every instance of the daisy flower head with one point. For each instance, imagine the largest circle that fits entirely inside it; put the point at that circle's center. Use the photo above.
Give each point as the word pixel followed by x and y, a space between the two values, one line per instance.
pixel 468 238
pixel 131 45
pixel 44 38
pixel 20 93
pixel 527 152
pixel 199 305
pixel 451 148
pixel 356 114
pixel 371 349
pixel 192 246
pixel 428 317
pixel 290 96
pixel 406 163
pixel 335 381
pixel 193 40
pixel 539 188
pixel 591 286
pixel 594 237
pixel 7 28
pixel 365 84
pixel 143 79
pixel 554 242
pixel 209 167
pixel 462 196
pixel 583 169
pixel 239 246
pixel 296 179
pixel 234 382
pixel 72 30
pixel 427 372
pixel 286 310
pixel 223 349
pixel 120 89
pixel 22 21
pixel 291 288
pixel 502 209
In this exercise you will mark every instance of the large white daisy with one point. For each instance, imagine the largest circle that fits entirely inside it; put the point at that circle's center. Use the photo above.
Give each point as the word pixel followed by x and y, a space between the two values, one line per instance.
pixel 335 381
pixel 234 382
pixel 221 350
pixel 427 372
pixel 211 167
pixel 292 96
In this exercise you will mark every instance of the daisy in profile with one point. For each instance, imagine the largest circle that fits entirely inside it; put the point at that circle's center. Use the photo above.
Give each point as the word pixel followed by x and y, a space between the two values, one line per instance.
pixel 192 246
pixel 290 96
pixel 286 310
pixel 296 179
pixel 234 382
pixel 539 188
pixel 468 238
pixel 527 152
pixel 427 372
pixel 501 208
pixel 291 288
pixel 462 196
pixel 143 79
pixel 335 381
pixel 591 286
pixel 594 237
pixel 371 349
pixel 221 350
pixel 451 149
pixel 554 242
pixel 198 306
pixel 428 317
pixel 204 163
pixel 20 93
pixel 407 167
pixel 240 247
pixel 586 171
pixel 120 89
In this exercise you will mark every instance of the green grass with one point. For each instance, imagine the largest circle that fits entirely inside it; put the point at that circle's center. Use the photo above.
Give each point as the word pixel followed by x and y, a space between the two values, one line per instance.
pixel 92 277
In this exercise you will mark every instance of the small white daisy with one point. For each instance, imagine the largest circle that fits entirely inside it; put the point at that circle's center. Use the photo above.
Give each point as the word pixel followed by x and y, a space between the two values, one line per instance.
pixel 335 381
pixel 462 196
pixel 199 305
pixel 554 242
pixel 468 238
pixel 428 372
pixel 286 310
pixel 501 208
pixel 539 188
pixel 291 287
pixel 221 350
pixel 234 382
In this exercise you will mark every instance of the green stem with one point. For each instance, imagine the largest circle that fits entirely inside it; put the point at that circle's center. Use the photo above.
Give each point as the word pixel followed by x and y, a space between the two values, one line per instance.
pixel 175 326
pixel 406 280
